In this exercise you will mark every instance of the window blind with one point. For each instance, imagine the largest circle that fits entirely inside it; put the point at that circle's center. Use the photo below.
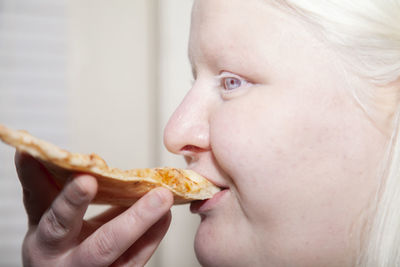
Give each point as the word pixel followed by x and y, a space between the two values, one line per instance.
pixel 32 96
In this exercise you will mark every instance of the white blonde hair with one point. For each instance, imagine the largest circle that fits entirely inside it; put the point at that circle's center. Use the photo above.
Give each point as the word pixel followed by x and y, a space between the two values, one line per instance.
pixel 366 33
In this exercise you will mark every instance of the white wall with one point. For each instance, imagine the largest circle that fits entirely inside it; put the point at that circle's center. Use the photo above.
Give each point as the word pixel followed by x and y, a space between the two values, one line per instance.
pixel 129 71
pixel 94 76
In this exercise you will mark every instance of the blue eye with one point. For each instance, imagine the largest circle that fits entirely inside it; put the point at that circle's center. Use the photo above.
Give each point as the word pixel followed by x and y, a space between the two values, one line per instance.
pixel 231 83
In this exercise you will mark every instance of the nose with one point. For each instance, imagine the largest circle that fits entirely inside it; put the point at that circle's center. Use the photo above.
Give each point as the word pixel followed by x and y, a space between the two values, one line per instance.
pixel 187 131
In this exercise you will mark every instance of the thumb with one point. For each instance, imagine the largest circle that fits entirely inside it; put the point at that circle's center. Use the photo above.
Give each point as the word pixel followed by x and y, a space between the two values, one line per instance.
pixel 39 190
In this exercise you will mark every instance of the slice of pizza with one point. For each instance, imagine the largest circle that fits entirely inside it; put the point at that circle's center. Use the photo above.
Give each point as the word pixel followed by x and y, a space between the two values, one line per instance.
pixel 115 186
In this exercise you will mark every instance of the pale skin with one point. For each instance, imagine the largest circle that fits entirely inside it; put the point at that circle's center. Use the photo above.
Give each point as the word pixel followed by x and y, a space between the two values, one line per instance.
pixel 58 235
pixel 269 118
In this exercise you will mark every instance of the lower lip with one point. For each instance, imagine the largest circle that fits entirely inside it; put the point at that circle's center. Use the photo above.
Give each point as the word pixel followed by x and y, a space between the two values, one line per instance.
pixel 202 206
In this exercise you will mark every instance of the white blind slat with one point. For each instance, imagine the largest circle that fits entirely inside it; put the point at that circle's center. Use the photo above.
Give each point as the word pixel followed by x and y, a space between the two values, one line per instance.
pixel 32 97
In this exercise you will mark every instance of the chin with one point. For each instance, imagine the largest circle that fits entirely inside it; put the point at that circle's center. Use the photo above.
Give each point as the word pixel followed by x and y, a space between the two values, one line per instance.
pixel 212 249
pixel 207 257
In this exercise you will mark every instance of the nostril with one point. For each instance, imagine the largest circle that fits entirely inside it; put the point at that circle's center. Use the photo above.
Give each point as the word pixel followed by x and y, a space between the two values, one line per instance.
pixel 191 148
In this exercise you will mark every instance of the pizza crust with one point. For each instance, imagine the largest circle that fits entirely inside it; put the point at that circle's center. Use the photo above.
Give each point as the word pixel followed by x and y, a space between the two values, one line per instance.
pixel 115 186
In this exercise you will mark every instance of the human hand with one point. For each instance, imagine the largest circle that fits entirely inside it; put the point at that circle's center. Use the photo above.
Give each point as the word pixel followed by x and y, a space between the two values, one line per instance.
pixel 58 236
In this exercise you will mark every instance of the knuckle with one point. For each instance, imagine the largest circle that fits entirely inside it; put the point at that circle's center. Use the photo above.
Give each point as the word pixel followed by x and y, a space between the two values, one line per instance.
pixel 68 201
pixel 75 195
pixel 103 248
pixel 135 216
pixel 51 230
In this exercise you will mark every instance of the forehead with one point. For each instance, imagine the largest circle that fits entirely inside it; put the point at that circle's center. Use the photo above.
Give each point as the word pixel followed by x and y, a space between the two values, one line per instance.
pixel 226 23
pixel 242 31
pixel 218 31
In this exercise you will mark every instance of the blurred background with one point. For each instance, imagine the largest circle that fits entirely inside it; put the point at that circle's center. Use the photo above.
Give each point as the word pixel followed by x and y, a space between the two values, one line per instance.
pixel 94 76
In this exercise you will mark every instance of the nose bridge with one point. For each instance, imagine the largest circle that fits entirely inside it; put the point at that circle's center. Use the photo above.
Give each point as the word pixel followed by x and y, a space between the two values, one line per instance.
pixel 188 126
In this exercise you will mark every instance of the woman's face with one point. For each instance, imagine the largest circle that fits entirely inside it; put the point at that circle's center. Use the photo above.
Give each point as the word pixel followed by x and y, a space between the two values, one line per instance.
pixel 271 119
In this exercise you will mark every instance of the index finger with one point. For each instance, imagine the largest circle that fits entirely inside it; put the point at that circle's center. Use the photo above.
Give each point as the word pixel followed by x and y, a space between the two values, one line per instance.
pixel 111 240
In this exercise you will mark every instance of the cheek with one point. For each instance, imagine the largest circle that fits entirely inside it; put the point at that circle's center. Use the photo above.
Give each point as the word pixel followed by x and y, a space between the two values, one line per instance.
pixel 264 141
pixel 250 144
pixel 298 172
